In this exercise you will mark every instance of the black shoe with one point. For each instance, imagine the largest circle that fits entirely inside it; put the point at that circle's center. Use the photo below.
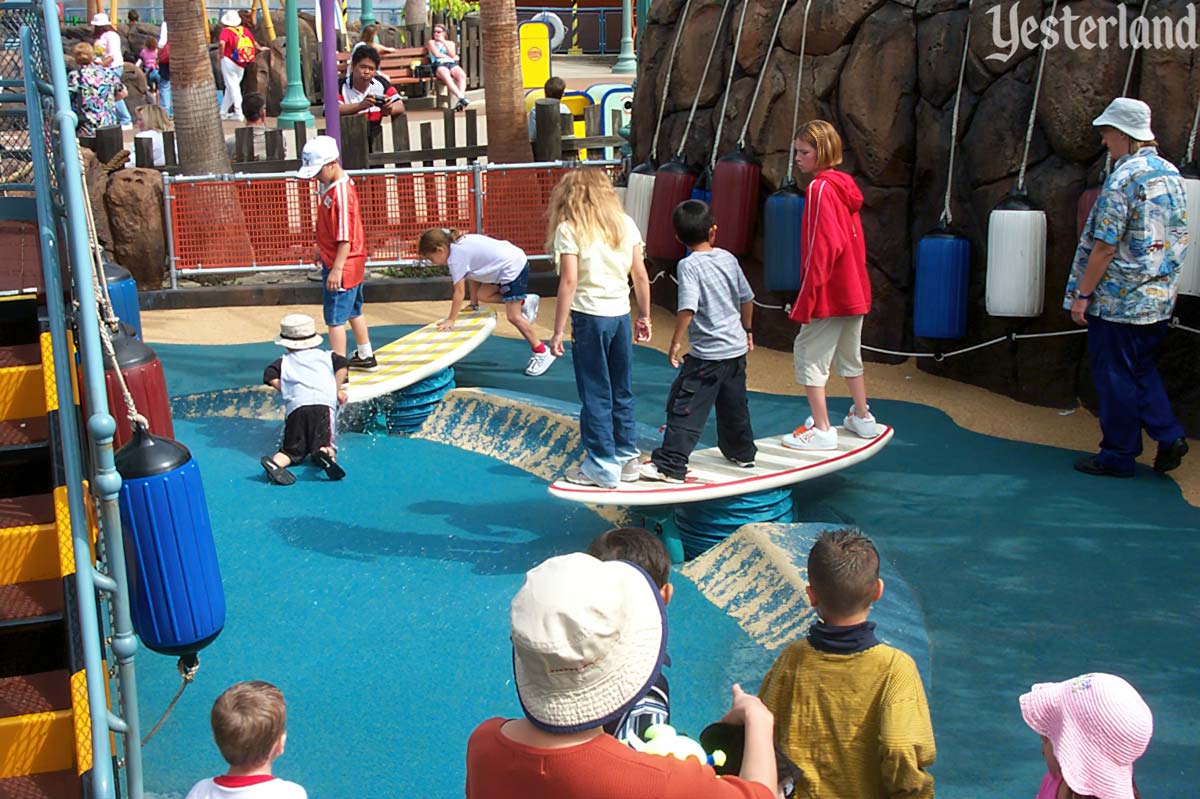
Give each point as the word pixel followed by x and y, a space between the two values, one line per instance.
pixel 276 473
pixel 1170 455
pixel 1093 465
pixel 366 364
pixel 332 470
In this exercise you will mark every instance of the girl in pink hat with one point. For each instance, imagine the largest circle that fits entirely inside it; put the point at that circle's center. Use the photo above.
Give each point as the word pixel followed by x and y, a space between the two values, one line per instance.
pixel 1093 727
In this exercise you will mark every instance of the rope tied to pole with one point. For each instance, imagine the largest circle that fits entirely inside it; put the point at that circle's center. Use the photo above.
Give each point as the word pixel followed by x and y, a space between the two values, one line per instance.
pixel 947 216
pixel 662 106
pixel 188 665
pixel 796 105
pixel 712 162
pixel 703 77
pixel 762 73
pixel 1037 91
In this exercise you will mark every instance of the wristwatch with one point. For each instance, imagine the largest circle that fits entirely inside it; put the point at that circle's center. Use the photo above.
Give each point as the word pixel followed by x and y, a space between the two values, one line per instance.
pixel 1081 296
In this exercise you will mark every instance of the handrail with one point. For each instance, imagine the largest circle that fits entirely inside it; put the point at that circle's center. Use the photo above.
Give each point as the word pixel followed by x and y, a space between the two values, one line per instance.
pixel 105 481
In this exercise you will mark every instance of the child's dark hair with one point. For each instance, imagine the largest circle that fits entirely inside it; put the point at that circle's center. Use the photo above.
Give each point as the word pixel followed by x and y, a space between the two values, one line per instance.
pixel 133 16
pixel 365 53
pixel 843 570
pixel 253 104
pixel 436 237
pixel 555 87
pixel 247 721
pixel 692 220
pixel 151 43
pixel 636 545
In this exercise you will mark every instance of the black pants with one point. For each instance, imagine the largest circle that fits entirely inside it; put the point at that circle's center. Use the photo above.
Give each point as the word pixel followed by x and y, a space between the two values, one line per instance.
pixel 699 386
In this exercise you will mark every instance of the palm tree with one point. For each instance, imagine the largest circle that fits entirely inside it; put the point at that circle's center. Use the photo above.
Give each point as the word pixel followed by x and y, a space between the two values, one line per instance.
pixel 197 120
pixel 507 126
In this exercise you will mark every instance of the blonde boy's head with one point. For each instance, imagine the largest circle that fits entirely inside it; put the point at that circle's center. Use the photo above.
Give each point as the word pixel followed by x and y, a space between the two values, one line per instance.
pixel 249 722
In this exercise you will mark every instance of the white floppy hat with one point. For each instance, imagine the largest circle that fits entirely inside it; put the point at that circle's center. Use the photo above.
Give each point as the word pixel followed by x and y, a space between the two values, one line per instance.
pixel 1131 117
pixel 298 331
pixel 230 18
pixel 317 152
pixel 588 637
pixel 1099 724
pixel 101 20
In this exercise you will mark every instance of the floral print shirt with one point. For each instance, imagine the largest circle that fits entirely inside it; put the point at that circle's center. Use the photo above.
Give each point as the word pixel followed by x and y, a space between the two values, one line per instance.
pixel 1142 211
pixel 93 97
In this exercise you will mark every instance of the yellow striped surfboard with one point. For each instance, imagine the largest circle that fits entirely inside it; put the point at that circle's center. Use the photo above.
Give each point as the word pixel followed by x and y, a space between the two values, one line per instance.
pixel 423 352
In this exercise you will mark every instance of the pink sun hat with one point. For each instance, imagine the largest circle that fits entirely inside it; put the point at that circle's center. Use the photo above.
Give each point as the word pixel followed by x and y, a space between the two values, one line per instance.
pixel 1099 724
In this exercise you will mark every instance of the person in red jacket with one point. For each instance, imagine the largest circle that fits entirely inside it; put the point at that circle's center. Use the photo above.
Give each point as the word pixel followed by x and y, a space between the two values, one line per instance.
pixel 835 292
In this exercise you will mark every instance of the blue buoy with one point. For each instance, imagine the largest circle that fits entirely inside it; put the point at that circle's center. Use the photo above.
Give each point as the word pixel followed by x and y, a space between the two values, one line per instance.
pixel 175 583
pixel 122 290
pixel 702 190
pixel 781 239
pixel 943 279
pixel 703 525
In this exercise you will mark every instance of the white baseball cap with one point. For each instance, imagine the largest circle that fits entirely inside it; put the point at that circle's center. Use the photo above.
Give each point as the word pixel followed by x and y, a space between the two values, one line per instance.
pixel 230 18
pixel 317 153
pixel 101 20
pixel 1131 117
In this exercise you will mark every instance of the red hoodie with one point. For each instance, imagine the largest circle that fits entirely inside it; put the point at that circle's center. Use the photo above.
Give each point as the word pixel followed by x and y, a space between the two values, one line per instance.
pixel 833 254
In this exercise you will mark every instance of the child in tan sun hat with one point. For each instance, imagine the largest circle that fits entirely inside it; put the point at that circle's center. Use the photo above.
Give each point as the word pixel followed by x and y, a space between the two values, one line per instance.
pixel 588 640
pixel 310 380
pixel 1093 727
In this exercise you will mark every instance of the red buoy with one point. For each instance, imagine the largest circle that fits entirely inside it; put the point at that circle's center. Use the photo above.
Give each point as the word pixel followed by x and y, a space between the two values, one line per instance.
pixel 144 376
pixel 673 184
pixel 735 201
pixel 1084 208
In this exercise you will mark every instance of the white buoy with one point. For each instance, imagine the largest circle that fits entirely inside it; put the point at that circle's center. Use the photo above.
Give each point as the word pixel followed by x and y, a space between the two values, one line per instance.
pixel 1189 278
pixel 638 195
pixel 1016 259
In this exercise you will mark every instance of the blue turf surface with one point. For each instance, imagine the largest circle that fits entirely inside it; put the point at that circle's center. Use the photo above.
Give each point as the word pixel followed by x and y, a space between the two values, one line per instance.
pixel 379 605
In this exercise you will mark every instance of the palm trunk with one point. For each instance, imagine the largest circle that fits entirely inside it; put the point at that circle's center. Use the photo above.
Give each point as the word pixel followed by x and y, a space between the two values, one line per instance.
pixel 507 127
pixel 197 119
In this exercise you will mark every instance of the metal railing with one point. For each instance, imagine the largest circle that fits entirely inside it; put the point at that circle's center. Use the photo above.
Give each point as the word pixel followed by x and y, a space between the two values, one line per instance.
pixel 59 197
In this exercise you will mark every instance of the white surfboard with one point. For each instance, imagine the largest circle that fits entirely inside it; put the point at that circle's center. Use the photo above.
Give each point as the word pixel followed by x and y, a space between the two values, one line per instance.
pixel 710 476
pixel 423 352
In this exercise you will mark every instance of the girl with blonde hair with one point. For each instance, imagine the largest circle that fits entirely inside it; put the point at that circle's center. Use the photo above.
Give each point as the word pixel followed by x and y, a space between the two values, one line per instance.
pixel 597 248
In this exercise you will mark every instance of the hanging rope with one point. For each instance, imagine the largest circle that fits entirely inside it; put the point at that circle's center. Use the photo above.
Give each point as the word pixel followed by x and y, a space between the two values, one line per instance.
pixel 947 216
pixel 1037 90
pixel 712 163
pixel 188 665
pixel 762 73
pixel 703 77
pixel 1191 147
pixel 662 106
pixel 796 105
pixel 1125 88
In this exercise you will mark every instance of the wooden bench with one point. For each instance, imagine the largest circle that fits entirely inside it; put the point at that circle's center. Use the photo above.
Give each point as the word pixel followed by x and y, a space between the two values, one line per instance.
pixel 398 66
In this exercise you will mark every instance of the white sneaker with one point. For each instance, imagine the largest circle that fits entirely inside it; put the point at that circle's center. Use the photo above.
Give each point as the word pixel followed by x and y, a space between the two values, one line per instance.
pixel 862 426
pixel 631 470
pixel 810 438
pixel 650 471
pixel 540 362
pixel 529 308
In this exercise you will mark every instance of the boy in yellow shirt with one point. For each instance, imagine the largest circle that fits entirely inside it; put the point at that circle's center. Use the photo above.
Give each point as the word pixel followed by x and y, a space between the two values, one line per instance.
pixel 850 711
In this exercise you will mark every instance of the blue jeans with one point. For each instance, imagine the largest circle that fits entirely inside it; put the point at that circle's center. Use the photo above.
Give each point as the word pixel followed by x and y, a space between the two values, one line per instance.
pixel 164 96
pixel 1132 395
pixel 123 116
pixel 602 353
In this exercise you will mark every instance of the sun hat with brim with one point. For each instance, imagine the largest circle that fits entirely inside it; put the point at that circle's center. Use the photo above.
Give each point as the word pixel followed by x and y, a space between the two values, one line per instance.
pixel 588 638
pixel 101 20
pixel 318 151
pixel 230 18
pixel 1131 117
pixel 1099 724
pixel 298 331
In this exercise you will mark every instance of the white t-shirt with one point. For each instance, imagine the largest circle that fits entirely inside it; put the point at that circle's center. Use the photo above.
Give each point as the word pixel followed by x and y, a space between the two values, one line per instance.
pixel 271 789
pixel 109 43
pixel 485 259
pixel 603 288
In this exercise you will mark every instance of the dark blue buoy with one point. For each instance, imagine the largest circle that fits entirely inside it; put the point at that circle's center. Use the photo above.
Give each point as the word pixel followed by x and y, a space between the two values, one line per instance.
pixel 781 239
pixel 175 583
pixel 702 190
pixel 122 290
pixel 943 278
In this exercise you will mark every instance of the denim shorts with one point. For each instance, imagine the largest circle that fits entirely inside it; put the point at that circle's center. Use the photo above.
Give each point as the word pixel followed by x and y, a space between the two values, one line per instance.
pixel 518 288
pixel 341 306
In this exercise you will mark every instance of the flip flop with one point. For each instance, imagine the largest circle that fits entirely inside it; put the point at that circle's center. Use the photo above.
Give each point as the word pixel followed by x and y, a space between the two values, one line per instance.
pixel 332 470
pixel 276 473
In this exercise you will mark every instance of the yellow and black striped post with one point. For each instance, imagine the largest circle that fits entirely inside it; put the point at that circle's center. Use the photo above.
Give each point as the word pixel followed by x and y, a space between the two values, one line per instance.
pixel 574 49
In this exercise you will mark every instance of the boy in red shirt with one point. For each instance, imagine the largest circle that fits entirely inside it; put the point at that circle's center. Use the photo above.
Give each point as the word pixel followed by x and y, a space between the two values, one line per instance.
pixel 342 248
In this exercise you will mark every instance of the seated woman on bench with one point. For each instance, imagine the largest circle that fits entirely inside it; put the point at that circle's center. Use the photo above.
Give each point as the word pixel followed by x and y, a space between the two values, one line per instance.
pixel 444 55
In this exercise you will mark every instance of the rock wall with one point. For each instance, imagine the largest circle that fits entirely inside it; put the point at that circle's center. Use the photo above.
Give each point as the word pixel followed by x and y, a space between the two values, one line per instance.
pixel 885 73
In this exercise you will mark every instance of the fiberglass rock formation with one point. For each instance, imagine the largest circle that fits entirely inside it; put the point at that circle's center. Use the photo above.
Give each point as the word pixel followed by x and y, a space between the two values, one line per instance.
pixel 885 73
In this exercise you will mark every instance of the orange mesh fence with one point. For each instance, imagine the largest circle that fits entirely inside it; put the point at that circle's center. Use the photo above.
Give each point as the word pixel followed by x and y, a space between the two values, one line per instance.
pixel 515 202
pixel 396 209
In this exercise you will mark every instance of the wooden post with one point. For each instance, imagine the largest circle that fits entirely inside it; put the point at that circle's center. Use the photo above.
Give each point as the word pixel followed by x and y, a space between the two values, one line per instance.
pixel 109 142
pixel 356 136
pixel 169 154
pixel 243 145
pixel 275 149
pixel 399 134
pixel 300 135
pixel 449 134
pixel 472 131
pixel 547 144
pixel 143 153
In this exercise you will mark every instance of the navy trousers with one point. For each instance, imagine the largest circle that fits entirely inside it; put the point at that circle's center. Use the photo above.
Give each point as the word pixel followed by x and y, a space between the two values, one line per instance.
pixel 1132 395
pixel 699 386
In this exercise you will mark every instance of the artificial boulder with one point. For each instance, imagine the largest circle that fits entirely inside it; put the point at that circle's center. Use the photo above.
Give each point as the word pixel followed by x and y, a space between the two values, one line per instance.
pixel 97 183
pixel 134 201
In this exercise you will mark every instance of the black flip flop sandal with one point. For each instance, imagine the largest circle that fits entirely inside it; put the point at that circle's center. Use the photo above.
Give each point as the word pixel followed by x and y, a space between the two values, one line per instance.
pixel 276 473
pixel 332 470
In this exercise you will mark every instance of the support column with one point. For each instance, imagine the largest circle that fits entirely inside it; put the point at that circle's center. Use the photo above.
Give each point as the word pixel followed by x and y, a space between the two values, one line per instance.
pixel 626 61
pixel 295 102
pixel 368 13
pixel 329 70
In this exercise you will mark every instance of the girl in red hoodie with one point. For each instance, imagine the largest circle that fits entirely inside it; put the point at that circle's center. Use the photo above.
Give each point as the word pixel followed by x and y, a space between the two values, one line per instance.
pixel 835 292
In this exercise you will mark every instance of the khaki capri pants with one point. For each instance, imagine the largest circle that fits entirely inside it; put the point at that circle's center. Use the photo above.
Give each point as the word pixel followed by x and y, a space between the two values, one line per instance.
pixel 824 342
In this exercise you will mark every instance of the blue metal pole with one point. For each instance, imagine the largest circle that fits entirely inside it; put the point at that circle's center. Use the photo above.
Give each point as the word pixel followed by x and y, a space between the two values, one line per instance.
pixel 329 70
pixel 295 102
